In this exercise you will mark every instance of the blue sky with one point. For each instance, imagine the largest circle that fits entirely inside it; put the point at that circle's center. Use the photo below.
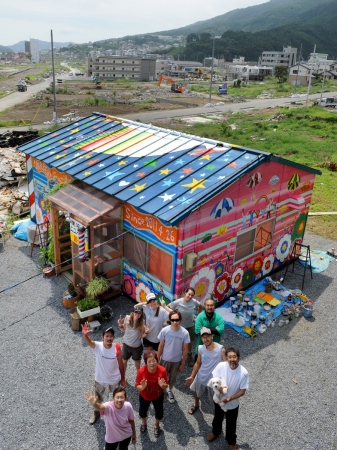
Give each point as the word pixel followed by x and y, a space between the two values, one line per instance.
pixel 87 20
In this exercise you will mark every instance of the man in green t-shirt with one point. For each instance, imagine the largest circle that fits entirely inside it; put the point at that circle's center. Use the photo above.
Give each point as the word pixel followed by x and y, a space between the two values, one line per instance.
pixel 209 318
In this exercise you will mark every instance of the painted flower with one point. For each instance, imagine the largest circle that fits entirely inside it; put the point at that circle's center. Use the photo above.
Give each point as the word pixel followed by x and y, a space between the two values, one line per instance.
pixel 129 285
pixel 299 227
pixel 203 283
pixel 230 266
pixel 222 286
pixel 268 263
pixel 221 230
pixel 237 278
pixel 248 277
pixel 141 292
pixel 219 269
pixel 283 247
pixel 257 265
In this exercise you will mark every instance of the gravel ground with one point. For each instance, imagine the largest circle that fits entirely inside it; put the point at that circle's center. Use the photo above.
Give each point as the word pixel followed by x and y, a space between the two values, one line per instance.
pixel 46 368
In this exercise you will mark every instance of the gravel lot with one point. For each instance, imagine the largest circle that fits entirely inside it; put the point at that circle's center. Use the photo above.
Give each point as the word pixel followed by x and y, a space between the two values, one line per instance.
pixel 45 369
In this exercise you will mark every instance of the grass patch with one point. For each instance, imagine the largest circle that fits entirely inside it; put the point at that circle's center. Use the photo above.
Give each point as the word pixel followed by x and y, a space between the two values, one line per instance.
pixel 303 135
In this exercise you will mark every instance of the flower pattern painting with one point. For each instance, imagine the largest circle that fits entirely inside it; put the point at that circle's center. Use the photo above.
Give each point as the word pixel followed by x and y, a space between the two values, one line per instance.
pixel 141 292
pixel 268 263
pixel 237 278
pixel 203 283
pixel 283 247
pixel 222 286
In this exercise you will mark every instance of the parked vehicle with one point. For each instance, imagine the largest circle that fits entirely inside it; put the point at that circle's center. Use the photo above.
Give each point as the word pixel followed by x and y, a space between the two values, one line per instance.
pixel 222 88
pixel 22 86
pixel 328 102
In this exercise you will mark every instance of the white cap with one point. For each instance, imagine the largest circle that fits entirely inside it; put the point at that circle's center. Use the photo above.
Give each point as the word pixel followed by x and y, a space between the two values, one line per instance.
pixel 150 296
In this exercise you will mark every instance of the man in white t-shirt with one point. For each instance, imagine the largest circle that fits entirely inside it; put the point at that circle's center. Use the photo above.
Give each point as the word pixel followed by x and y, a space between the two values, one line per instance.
pixel 210 354
pixel 172 350
pixel 109 369
pixel 189 308
pixel 235 377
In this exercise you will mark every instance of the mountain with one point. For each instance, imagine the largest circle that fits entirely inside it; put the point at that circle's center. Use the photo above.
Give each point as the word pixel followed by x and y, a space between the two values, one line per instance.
pixel 4 49
pixel 43 45
pixel 266 16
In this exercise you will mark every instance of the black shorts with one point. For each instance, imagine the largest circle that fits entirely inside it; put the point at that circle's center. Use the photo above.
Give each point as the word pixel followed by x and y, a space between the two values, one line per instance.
pixel 148 343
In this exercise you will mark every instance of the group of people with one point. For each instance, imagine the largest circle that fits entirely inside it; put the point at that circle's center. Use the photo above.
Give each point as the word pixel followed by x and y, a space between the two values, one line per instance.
pixel 166 333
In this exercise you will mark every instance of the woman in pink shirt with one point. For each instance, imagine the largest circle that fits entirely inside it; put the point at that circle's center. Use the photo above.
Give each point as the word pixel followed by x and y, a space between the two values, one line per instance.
pixel 119 419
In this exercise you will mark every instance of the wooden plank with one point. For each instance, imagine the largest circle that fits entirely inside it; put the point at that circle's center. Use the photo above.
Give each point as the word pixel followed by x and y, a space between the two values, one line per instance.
pixel 322 213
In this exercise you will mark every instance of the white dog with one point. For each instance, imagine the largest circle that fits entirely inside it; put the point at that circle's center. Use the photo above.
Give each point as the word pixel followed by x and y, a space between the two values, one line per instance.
pixel 216 384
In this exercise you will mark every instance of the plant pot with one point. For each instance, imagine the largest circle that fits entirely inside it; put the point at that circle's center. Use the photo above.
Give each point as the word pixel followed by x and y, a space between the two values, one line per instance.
pixel 75 320
pixel 49 271
pixel 88 312
pixel 70 302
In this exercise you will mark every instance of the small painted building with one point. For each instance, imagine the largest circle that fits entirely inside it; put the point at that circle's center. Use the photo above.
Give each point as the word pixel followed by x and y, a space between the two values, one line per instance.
pixel 164 210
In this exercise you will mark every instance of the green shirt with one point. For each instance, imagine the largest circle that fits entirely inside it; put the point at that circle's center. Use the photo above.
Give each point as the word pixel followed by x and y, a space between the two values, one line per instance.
pixel 202 321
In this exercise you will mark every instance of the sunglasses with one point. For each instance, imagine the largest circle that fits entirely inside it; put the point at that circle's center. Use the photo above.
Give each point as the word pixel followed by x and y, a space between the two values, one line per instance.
pixel 175 320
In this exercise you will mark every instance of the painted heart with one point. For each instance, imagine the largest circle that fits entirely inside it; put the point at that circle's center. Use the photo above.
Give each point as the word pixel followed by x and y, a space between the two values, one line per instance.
pixel 124 183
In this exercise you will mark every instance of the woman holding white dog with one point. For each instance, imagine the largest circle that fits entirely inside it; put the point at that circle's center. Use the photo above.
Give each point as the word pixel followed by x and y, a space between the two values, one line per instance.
pixel 210 354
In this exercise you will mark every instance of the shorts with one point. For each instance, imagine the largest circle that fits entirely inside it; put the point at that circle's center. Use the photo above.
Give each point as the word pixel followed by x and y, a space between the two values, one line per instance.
pixel 172 369
pixel 200 389
pixel 191 332
pixel 148 343
pixel 135 352
pixel 104 392
pixel 157 404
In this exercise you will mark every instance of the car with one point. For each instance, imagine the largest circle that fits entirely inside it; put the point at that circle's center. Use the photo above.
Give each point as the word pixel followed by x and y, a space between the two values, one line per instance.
pixel 70 74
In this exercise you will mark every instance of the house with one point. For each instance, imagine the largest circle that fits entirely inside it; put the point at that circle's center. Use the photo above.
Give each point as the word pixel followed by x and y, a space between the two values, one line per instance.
pixel 299 74
pixel 158 210
pixel 112 67
pixel 273 58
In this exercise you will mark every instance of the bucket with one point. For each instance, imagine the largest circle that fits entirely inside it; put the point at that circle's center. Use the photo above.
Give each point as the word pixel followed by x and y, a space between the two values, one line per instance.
pixel 307 312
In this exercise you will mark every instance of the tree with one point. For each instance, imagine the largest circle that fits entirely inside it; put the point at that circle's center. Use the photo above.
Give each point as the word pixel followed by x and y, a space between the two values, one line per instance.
pixel 281 72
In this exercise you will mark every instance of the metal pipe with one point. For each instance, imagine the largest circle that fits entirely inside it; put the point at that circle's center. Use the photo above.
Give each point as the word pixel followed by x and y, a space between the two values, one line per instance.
pixel 54 84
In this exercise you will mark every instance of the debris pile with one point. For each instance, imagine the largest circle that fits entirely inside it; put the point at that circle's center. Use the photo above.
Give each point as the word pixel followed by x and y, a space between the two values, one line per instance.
pixel 12 175
pixel 15 138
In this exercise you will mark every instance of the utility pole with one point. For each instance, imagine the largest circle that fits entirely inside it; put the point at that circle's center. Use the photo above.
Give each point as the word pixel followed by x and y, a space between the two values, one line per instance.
pixel 322 85
pixel 54 84
pixel 309 85
pixel 210 85
pixel 298 68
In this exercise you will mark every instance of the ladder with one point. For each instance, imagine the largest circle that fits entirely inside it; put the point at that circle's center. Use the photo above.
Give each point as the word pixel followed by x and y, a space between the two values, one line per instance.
pixel 300 252
pixel 43 236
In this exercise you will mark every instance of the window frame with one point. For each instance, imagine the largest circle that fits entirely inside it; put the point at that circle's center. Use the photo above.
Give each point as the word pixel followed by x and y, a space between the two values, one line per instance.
pixel 146 256
pixel 249 230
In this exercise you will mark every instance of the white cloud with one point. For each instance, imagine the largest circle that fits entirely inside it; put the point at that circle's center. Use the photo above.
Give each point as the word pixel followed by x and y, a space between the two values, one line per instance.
pixel 84 20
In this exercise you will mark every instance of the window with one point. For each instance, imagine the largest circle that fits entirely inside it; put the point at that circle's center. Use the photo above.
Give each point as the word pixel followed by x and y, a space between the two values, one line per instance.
pixel 148 258
pixel 254 239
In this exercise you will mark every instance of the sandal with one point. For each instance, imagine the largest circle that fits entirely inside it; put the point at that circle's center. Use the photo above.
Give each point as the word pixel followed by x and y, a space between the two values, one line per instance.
pixel 193 409
pixel 143 428
pixel 156 432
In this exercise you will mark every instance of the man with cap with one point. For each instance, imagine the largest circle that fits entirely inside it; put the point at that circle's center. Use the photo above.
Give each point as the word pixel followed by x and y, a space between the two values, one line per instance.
pixel 156 318
pixel 189 307
pixel 109 369
pixel 211 319
pixel 210 354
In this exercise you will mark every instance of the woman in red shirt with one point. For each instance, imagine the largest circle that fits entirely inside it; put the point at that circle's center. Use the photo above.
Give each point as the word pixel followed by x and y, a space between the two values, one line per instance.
pixel 151 383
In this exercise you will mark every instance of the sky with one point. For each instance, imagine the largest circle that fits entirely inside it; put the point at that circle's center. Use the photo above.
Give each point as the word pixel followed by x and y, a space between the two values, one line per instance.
pixel 82 21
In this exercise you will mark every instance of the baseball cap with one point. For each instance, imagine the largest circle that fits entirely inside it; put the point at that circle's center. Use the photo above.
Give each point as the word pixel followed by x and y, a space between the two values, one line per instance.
pixel 138 309
pixel 150 296
pixel 205 330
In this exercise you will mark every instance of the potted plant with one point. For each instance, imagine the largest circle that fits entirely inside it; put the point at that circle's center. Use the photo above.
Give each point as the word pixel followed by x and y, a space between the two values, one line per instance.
pixel 96 287
pixel 106 313
pixel 70 297
pixel 87 307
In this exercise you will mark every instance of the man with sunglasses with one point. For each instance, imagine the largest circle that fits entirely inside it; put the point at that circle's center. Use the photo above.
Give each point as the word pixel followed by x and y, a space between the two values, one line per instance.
pixel 172 351
pixel 109 369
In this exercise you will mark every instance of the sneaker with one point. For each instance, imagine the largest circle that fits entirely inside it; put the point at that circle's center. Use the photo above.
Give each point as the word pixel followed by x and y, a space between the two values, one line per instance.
pixel 170 396
pixel 211 437
pixel 94 417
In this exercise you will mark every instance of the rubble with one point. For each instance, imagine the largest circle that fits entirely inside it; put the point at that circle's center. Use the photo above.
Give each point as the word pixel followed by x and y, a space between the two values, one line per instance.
pixel 12 176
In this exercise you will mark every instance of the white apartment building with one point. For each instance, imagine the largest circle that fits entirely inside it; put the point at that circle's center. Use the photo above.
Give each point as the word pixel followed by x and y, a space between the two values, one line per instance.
pixel 320 62
pixel 247 72
pixel 113 67
pixel 34 51
pixel 285 58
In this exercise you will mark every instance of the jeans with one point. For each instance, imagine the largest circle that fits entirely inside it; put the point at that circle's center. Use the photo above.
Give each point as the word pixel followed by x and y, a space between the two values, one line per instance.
pixel 231 418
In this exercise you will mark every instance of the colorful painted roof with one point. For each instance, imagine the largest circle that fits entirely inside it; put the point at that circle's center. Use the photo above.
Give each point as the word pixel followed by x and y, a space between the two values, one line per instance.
pixel 158 171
